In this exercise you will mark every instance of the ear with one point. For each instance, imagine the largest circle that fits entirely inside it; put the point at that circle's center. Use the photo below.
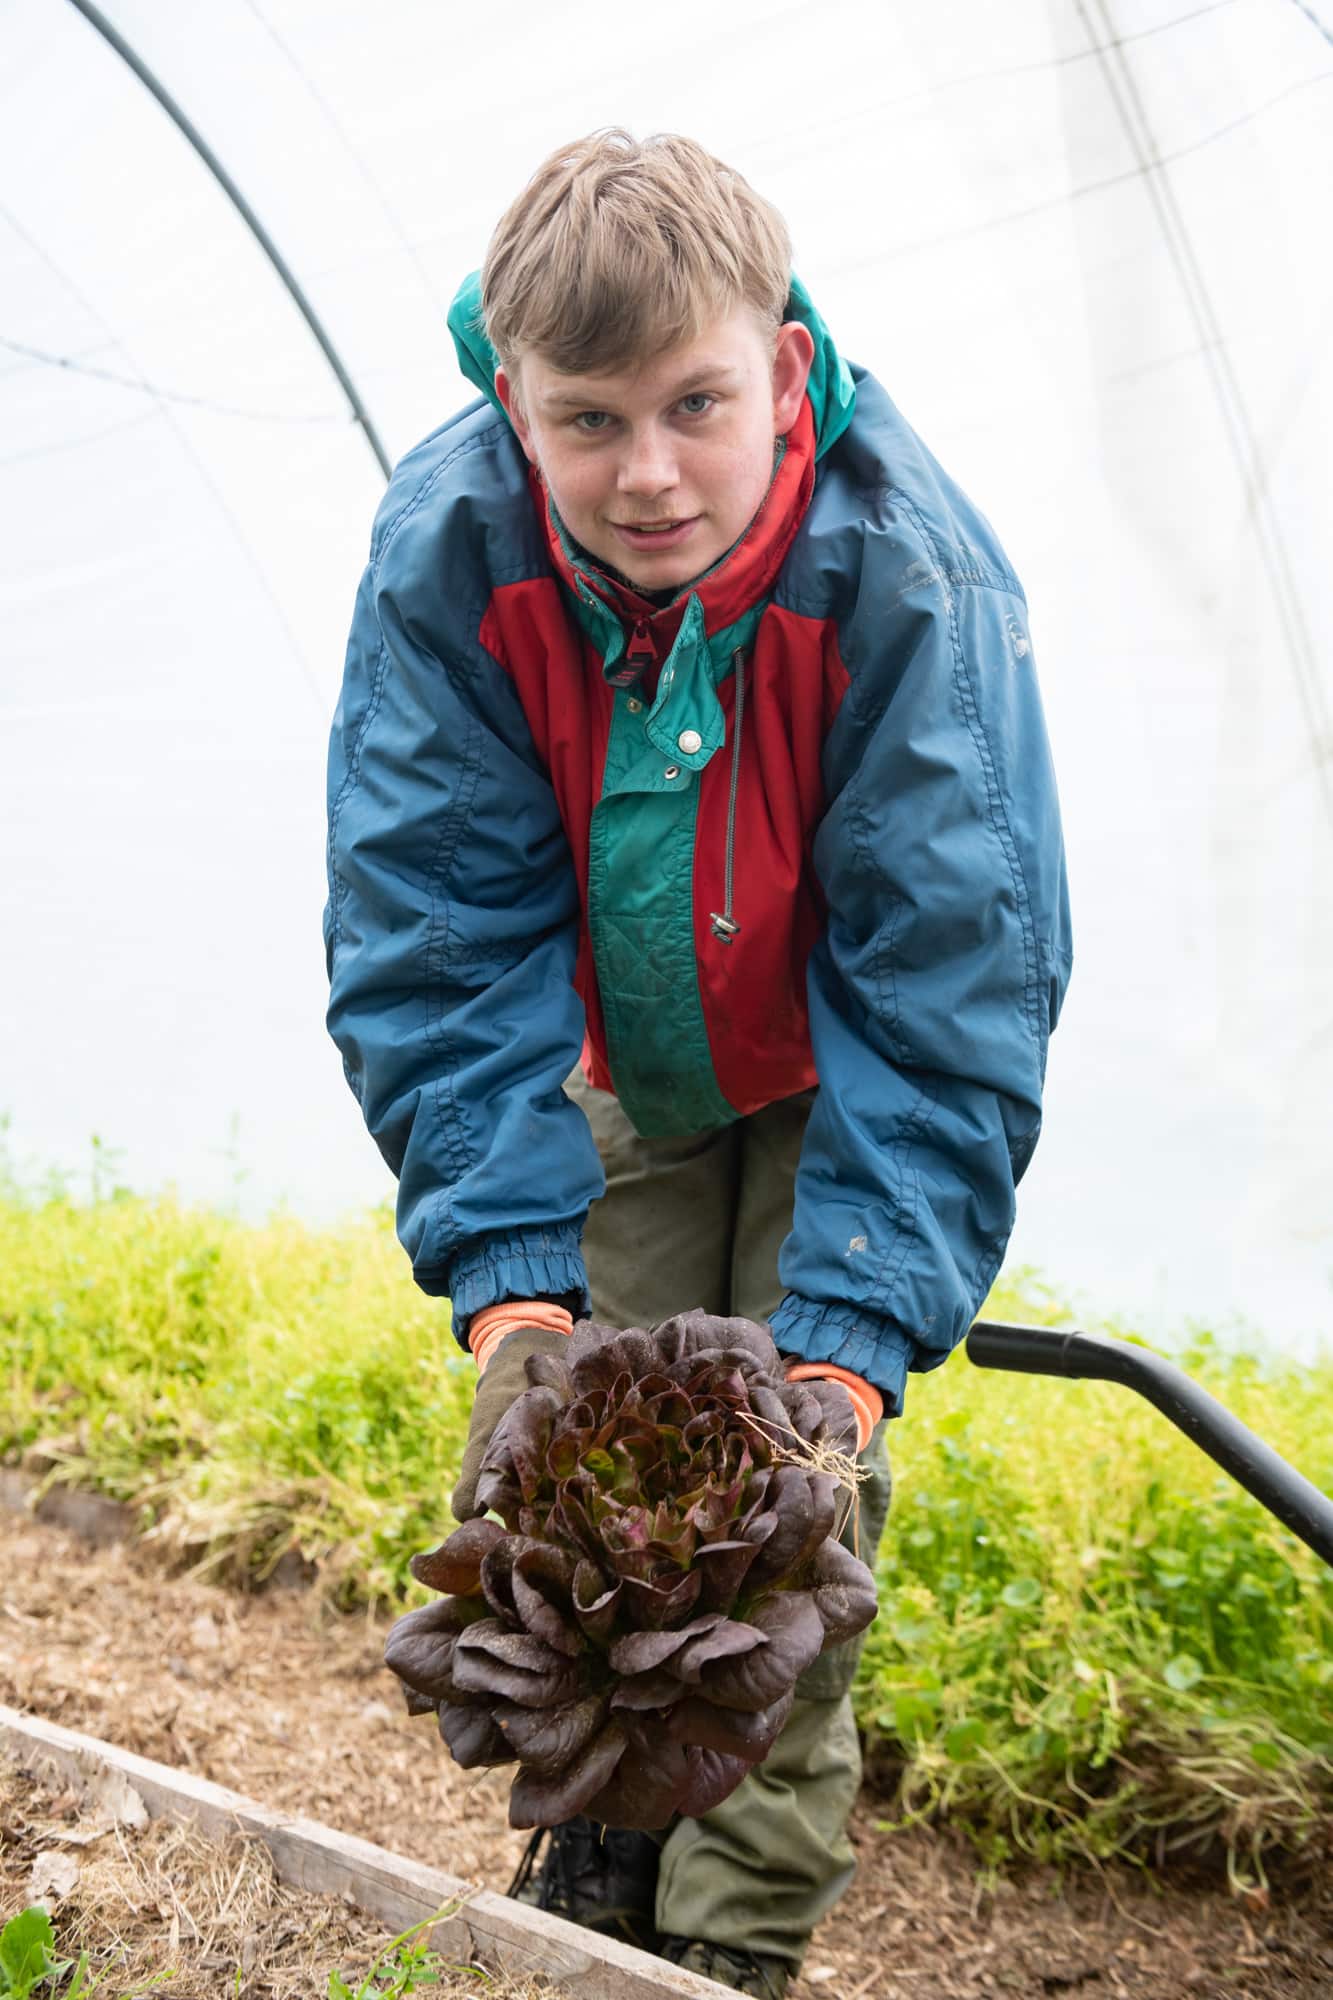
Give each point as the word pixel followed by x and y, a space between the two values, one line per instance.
pixel 792 357
pixel 507 391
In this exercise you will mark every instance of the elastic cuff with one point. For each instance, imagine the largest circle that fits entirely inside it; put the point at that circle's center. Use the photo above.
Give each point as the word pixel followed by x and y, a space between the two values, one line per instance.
pixel 863 1344
pixel 495 1323
pixel 526 1264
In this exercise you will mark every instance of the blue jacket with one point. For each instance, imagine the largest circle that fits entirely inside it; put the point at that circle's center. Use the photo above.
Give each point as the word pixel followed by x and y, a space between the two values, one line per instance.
pixel 503 878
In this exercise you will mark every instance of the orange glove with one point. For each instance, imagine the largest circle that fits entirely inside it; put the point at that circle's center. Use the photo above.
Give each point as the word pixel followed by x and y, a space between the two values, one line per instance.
pixel 867 1403
pixel 492 1323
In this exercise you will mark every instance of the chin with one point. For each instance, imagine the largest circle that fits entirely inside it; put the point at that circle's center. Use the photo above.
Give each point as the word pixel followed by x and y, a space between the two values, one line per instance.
pixel 661 573
pixel 664 576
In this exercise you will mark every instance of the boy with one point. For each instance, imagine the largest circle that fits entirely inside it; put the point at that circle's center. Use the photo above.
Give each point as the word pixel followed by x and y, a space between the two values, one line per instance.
pixel 690 726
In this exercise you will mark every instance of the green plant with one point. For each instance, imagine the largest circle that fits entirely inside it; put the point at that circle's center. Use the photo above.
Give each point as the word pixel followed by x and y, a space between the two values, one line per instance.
pixel 252 1388
pixel 28 1960
pixel 1090 1641
pixel 405 1964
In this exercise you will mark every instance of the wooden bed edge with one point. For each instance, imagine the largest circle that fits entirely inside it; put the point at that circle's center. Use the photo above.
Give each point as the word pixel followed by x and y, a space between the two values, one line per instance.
pixel 399 1892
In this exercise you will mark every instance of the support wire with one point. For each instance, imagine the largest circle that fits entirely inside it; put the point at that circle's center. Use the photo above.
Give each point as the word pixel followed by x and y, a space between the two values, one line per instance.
pixel 1237 422
pixel 97 19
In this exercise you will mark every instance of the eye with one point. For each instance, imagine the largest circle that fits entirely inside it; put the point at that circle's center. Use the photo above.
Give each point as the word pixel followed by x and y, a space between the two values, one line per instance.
pixel 697 404
pixel 592 422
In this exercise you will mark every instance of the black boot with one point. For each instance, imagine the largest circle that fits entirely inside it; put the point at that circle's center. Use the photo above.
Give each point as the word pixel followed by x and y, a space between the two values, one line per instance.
pixel 744 1971
pixel 596 1876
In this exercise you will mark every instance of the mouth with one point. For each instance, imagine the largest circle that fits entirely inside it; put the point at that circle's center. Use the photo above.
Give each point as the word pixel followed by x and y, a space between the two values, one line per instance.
pixel 655 534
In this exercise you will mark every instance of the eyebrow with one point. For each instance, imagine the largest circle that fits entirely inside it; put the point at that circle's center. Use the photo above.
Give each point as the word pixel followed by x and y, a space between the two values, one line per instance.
pixel 721 377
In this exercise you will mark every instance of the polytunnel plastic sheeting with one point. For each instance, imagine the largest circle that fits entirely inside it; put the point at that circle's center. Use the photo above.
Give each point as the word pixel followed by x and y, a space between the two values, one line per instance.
pixel 1078 243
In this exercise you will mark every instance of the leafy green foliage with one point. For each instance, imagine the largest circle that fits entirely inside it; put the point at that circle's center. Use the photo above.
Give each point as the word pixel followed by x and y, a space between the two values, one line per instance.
pixel 666 1569
pixel 28 1960
pixel 254 1390
pixel 27 1952
pixel 1090 1640
pixel 406 1965
pixel 1054 1548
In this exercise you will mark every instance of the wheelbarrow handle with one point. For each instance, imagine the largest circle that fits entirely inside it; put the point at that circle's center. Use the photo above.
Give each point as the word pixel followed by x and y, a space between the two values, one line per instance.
pixel 1094 1357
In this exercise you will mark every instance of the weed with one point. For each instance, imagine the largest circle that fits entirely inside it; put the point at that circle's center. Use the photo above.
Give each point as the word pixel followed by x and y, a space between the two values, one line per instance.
pixel 405 1965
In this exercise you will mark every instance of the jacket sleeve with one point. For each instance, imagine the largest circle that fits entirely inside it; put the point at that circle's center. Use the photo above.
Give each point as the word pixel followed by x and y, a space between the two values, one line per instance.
pixel 451 931
pixel 939 976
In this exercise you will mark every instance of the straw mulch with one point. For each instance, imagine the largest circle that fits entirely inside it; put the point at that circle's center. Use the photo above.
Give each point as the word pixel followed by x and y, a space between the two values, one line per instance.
pixel 294 1707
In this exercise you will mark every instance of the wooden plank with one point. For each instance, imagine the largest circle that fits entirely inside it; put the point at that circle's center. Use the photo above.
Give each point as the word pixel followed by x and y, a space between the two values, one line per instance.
pixel 399 1892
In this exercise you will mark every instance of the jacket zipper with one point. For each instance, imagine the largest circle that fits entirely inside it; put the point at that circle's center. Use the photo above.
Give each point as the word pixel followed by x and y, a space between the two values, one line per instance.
pixel 640 652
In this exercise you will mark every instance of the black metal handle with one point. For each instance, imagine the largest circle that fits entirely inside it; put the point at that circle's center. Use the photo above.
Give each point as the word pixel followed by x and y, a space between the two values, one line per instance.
pixel 1093 1357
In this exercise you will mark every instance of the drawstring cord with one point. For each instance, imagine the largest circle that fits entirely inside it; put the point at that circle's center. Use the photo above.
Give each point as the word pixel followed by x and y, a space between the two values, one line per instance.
pixel 725 927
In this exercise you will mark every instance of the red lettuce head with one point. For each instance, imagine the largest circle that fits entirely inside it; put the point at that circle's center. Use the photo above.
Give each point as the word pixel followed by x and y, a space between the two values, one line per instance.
pixel 664 1568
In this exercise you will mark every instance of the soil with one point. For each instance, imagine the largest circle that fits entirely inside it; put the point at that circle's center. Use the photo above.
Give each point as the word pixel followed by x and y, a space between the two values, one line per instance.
pixel 289 1704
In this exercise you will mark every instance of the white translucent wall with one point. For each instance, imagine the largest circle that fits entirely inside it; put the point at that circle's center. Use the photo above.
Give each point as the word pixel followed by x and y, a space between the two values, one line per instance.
pixel 1078 242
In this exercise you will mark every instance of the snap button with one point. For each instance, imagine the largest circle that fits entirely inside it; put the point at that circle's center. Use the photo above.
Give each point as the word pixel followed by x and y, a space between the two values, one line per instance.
pixel 671 771
pixel 634 704
pixel 689 741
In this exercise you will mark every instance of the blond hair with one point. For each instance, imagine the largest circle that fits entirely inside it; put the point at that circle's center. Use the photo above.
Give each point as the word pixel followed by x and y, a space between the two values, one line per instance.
pixel 618 249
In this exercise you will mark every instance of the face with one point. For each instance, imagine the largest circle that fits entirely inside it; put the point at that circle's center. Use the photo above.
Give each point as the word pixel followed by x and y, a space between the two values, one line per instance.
pixel 657 469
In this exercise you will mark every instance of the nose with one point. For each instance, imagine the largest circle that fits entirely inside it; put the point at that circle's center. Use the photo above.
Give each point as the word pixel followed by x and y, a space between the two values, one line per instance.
pixel 649 463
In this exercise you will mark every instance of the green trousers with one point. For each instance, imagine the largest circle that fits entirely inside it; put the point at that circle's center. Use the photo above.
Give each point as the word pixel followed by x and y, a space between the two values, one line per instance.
pixel 698 1222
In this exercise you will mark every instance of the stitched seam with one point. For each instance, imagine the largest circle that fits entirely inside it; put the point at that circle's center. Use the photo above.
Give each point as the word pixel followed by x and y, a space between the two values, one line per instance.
pixel 886 996
pixel 914 1130
pixel 917 1122
pixel 983 1277
pixel 386 534
pixel 995 800
pixel 438 951
pixel 500 957
pixel 379 550
pixel 444 1093
pixel 350 779
pixel 978 574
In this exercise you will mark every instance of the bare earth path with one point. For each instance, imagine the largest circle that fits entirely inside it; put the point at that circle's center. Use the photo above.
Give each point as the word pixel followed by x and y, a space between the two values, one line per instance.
pixel 263 1694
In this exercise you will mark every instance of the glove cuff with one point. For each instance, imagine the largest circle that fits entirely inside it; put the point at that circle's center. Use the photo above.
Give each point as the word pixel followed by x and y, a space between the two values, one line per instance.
pixel 866 1401
pixel 493 1323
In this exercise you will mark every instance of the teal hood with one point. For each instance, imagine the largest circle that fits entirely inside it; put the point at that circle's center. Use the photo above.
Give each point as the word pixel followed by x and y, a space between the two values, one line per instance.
pixel 831 390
